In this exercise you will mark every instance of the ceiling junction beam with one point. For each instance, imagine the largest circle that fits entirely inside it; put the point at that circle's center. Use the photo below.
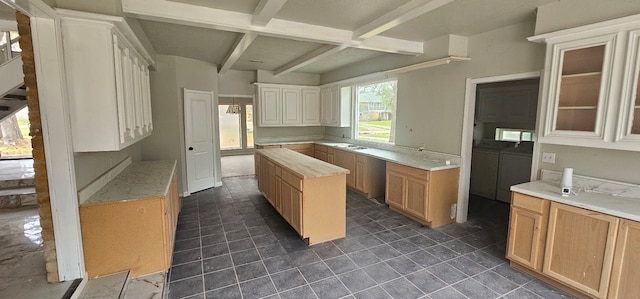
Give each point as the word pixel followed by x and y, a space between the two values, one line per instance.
pixel 308 58
pixel 206 17
pixel 404 13
pixel 265 11
pixel 241 45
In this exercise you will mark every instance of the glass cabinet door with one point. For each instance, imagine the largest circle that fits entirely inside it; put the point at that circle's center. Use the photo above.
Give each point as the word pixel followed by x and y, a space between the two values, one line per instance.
pixel 580 87
pixel 629 116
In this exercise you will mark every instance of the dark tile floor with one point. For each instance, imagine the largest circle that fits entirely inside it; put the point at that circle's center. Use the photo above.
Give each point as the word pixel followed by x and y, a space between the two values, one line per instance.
pixel 231 243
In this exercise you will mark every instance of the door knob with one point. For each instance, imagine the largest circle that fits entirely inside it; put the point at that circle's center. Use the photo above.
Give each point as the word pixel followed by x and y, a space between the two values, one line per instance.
pixel 190 148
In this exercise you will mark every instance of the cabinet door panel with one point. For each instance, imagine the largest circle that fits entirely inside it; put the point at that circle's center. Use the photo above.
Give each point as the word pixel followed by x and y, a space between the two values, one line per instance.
pixel 361 172
pixel 286 200
pixel 526 238
pixel 292 106
pixel 270 106
pixel 395 189
pixel 296 210
pixel 579 250
pixel 626 264
pixel 347 160
pixel 416 202
pixel 310 107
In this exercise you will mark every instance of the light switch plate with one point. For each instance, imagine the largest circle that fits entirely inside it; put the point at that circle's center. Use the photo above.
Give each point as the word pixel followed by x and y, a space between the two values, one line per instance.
pixel 549 158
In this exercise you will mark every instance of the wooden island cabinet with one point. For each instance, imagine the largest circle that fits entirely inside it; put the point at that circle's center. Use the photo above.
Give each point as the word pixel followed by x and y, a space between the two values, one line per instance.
pixel 309 194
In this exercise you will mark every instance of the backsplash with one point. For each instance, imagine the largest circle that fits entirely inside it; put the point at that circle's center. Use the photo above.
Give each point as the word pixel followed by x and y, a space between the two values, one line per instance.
pixel 595 185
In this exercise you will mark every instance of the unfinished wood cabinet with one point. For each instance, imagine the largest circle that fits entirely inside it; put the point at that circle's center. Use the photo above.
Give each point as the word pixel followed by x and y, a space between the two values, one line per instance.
pixel 626 262
pixel 303 148
pixel 134 234
pixel 347 160
pixel 311 193
pixel 320 152
pixel 527 230
pixel 425 196
pixel 370 176
pixel 580 247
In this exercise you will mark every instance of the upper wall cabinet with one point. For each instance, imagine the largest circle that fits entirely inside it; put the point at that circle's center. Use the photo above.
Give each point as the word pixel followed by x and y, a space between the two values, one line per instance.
pixel 107 72
pixel 335 106
pixel 508 102
pixel 287 105
pixel 590 89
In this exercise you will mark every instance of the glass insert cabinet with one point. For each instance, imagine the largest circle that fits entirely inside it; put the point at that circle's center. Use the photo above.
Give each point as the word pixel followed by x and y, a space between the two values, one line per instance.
pixel 591 91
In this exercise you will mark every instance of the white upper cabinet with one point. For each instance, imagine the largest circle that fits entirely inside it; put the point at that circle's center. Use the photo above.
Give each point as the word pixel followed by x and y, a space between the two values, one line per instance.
pixel 590 86
pixel 287 105
pixel 335 106
pixel 107 72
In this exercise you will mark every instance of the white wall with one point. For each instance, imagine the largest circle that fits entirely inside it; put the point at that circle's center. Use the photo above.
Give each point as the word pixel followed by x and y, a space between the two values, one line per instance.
pixel 430 101
pixel 89 166
pixel 167 86
pixel 237 82
pixel 608 164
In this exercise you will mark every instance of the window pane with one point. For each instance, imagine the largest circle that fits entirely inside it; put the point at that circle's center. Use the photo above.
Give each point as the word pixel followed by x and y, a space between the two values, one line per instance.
pixel 375 115
pixel 229 129
pixel 249 111
pixel 15 141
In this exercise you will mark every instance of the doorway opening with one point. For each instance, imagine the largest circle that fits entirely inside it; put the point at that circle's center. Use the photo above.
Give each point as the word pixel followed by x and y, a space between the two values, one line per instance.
pixel 468 129
pixel 235 117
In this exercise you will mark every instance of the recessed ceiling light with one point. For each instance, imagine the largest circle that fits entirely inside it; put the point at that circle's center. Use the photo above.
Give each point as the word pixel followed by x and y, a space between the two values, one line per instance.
pixel 256 60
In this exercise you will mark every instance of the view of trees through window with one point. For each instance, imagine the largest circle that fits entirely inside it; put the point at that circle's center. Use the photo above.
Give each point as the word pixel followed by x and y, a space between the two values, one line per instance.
pixel 375 111
pixel 15 141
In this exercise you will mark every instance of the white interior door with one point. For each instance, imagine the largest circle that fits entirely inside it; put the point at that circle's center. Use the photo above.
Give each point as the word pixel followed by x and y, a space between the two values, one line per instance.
pixel 198 132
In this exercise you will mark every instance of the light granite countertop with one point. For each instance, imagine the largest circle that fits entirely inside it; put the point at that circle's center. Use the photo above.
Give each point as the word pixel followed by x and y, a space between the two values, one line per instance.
pixel 303 165
pixel 418 159
pixel 138 180
pixel 603 197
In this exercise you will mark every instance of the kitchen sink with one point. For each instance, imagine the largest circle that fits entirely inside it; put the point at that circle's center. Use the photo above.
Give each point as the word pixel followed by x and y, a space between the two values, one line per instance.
pixel 355 147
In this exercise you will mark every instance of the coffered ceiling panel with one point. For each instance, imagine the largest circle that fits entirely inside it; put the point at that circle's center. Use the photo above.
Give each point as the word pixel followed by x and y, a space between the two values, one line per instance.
pixel 338 60
pixel 343 14
pixel 273 52
pixel 191 42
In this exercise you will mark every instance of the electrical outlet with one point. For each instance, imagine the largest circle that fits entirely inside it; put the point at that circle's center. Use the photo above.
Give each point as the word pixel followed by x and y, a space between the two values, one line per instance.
pixel 549 158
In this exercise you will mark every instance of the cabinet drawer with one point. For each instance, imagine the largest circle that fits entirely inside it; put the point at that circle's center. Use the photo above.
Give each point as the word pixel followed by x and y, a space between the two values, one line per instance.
pixel 304 146
pixel 530 203
pixel 278 171
pixel 361 158
pixel 320 148
pixel 291 179
pixel 406 170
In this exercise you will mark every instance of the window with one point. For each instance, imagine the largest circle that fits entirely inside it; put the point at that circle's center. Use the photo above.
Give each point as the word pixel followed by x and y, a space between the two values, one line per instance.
pixel 375 109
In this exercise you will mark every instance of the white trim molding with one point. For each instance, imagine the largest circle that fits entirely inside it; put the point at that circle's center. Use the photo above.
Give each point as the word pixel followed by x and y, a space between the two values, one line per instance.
pixel 467 136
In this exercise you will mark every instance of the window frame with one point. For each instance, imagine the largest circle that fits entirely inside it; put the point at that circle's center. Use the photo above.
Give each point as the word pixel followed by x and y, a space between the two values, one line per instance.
pixel 355 110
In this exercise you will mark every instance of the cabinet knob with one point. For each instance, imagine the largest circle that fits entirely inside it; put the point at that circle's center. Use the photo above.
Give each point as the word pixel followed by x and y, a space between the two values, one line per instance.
pixel 190 148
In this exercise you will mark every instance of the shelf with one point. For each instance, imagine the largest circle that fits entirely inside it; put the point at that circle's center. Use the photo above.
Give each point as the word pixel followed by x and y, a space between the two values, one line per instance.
pixel 578 108
pixel 582 75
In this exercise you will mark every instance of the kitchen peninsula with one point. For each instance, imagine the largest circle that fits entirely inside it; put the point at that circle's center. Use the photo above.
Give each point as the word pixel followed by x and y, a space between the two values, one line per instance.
pixel 309 194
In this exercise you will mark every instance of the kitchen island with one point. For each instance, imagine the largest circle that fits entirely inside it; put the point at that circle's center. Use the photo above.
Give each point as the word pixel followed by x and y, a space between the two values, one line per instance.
pixel 309 194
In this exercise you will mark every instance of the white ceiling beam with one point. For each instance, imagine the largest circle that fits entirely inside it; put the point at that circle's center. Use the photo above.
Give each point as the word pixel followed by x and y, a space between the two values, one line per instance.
pixel 404 13
pixel 241 45
pixel 265 11
pixel 206 17
pixel 308 58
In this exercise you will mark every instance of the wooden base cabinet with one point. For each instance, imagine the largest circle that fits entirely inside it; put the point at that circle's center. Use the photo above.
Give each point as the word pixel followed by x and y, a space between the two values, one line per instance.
pixel 527 230
pixel 347 160
pixel 136 235
pixel 625 277
pixel 425 196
